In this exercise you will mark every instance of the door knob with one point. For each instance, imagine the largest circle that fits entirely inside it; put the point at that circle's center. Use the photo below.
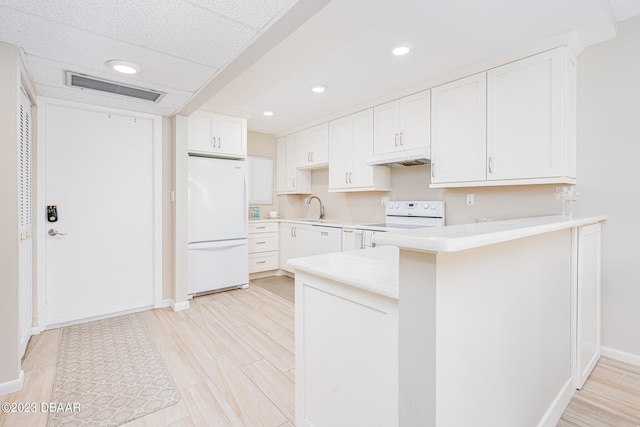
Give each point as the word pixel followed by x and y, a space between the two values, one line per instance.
pixel 54 232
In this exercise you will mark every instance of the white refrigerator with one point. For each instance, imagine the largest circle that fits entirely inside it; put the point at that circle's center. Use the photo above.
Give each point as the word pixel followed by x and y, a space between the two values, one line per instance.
pixel 218 254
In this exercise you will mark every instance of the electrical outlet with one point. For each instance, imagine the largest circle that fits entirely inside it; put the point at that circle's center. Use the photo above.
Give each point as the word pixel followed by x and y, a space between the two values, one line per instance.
pixel 470 199
pixel 384 201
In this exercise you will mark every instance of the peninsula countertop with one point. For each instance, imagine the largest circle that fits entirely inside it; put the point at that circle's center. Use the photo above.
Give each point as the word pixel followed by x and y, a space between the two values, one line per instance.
pixel 455 238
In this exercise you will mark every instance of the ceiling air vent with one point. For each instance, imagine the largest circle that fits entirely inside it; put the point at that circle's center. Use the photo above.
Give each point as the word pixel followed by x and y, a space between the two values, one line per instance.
pixel 87 82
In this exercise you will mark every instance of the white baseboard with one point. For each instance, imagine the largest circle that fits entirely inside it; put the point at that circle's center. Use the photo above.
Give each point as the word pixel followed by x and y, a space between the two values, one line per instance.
pixel 556 409
pixel 179 306
pixel 12 386
pixel 633 359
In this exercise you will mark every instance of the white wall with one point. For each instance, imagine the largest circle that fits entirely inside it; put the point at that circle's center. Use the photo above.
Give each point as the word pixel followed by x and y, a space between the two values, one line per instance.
pixel 9 89
pixel 609 174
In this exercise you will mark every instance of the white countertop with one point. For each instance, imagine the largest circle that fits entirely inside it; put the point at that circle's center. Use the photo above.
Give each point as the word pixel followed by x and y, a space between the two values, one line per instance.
pixel 374 270
pixel 466 236
pixel 327 223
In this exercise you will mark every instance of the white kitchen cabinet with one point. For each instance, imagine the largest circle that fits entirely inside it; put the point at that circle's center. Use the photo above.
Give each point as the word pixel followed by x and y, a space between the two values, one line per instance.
pixel 531 118
pixel 290 179
pixel 350 146
pixel 346 355
pixel 217 135
pixel 402 124
pixel 263 246
pixel 458 130
pixel 294 243
pixel 312 147
pixel 588 301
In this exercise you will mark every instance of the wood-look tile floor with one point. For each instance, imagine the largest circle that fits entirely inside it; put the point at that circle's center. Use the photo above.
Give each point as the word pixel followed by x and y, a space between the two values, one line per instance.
pixel 232 356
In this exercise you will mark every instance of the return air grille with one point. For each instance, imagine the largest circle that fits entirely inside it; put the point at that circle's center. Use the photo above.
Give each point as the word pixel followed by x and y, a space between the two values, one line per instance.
pixel 87 82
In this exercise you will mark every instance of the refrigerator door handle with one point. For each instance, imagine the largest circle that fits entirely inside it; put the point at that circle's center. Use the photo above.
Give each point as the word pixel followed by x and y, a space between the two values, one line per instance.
pixel 246 198
pixel 217 244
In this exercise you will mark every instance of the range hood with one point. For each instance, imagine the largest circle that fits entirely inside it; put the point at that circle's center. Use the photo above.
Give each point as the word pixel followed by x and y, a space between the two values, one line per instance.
pixel 413 157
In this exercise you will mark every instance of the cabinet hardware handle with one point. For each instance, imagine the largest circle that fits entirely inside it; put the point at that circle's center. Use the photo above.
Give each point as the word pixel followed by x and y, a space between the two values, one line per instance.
pixel 347 231
pixel 324 233
pixel 395 140
pixel 401 138
pixel 350 182
pixel 491 164
pixel 295 231
pixel 293 183
pixel 308 156
pixel 312 156
pixel 291 231
pixel 433 170
pixel 213 142
pixel 260 243
pixel 261 262
pixel 260 228
pixel 346 180
pixel 219 142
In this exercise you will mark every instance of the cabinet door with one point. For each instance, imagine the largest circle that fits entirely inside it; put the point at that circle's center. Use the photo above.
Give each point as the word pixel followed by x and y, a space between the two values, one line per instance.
pixel 304 141
pixel 414 121
pixel 287 245
pixel 231 135
pixel 386 119
pixel 200 135
pixel 290 163
pixel 340 153
pixel 525 118
pixel 281 166
pixel 588 321
pixel 320 145
pixel 362 175
pixel 458 130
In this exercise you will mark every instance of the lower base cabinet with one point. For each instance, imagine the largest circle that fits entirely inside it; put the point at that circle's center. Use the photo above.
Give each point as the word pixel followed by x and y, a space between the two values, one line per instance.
pixel 347 356
pixel 263 247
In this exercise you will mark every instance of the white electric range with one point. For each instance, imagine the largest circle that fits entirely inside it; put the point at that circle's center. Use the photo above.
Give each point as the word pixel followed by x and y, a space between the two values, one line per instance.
pixel 402 215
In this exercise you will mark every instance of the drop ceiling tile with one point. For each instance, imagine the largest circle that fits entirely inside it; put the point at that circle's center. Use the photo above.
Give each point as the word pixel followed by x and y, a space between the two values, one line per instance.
pixel 174 27
pixel 71 94
pixel 50 40
pixel 45 72
pixel 249 12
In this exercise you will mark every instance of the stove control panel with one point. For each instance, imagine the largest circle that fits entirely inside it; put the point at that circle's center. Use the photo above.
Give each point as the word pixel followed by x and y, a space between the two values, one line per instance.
pixel 415 208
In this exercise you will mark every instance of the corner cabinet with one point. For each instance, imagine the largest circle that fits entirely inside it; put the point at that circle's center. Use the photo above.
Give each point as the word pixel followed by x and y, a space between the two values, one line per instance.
pixel 530 125
pixel 402 124
pixel 290 179
pixel 217 135
pixel 312 147
pixel 350 146
pixel 459 130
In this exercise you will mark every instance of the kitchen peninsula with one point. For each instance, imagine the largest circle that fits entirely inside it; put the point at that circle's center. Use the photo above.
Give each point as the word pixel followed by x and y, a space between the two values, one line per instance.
pixel 486 324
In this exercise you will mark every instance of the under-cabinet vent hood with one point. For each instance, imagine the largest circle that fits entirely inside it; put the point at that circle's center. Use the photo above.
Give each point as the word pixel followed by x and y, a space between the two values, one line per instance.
pixel 413 157
pixel 83 81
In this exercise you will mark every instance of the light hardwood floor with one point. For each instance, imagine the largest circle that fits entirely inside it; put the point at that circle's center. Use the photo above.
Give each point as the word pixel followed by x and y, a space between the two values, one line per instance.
pixel 232 356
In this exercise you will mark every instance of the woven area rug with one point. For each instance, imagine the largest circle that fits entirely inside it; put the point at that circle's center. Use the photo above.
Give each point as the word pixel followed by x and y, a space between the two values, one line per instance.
pixel 109 372
pixel 280 285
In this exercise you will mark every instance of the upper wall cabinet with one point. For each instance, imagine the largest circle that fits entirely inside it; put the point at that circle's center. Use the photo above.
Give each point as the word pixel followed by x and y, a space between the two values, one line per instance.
pixel 530 121
pixel 312 147
pixel 459 130
pixel 350 145
pixel 402 124
pixel 217 135
pixel 290 179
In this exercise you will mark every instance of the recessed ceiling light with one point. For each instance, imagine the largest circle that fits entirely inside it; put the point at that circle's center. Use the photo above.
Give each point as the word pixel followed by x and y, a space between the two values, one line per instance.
pixel 319 88
pixel 124 67
pixel 268 113
pixel 402 49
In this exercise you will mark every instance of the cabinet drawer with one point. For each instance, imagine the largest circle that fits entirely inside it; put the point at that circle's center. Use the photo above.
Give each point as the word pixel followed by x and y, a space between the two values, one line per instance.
pixel 263 262
pixel 263 243
pixel 263 227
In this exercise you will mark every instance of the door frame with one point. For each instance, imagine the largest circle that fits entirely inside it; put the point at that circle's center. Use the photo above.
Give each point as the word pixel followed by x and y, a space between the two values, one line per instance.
pixel 40 208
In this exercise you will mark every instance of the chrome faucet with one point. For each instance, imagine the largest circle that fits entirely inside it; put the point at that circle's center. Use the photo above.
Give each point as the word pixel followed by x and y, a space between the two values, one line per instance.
pixel 307 201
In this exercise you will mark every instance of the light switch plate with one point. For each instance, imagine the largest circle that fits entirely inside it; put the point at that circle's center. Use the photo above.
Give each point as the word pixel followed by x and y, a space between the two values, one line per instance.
pixel 384 201
pixel 470 199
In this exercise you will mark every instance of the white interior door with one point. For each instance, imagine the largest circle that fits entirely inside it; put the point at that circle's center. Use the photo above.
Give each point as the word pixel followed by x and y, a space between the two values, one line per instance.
pixel 99 173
